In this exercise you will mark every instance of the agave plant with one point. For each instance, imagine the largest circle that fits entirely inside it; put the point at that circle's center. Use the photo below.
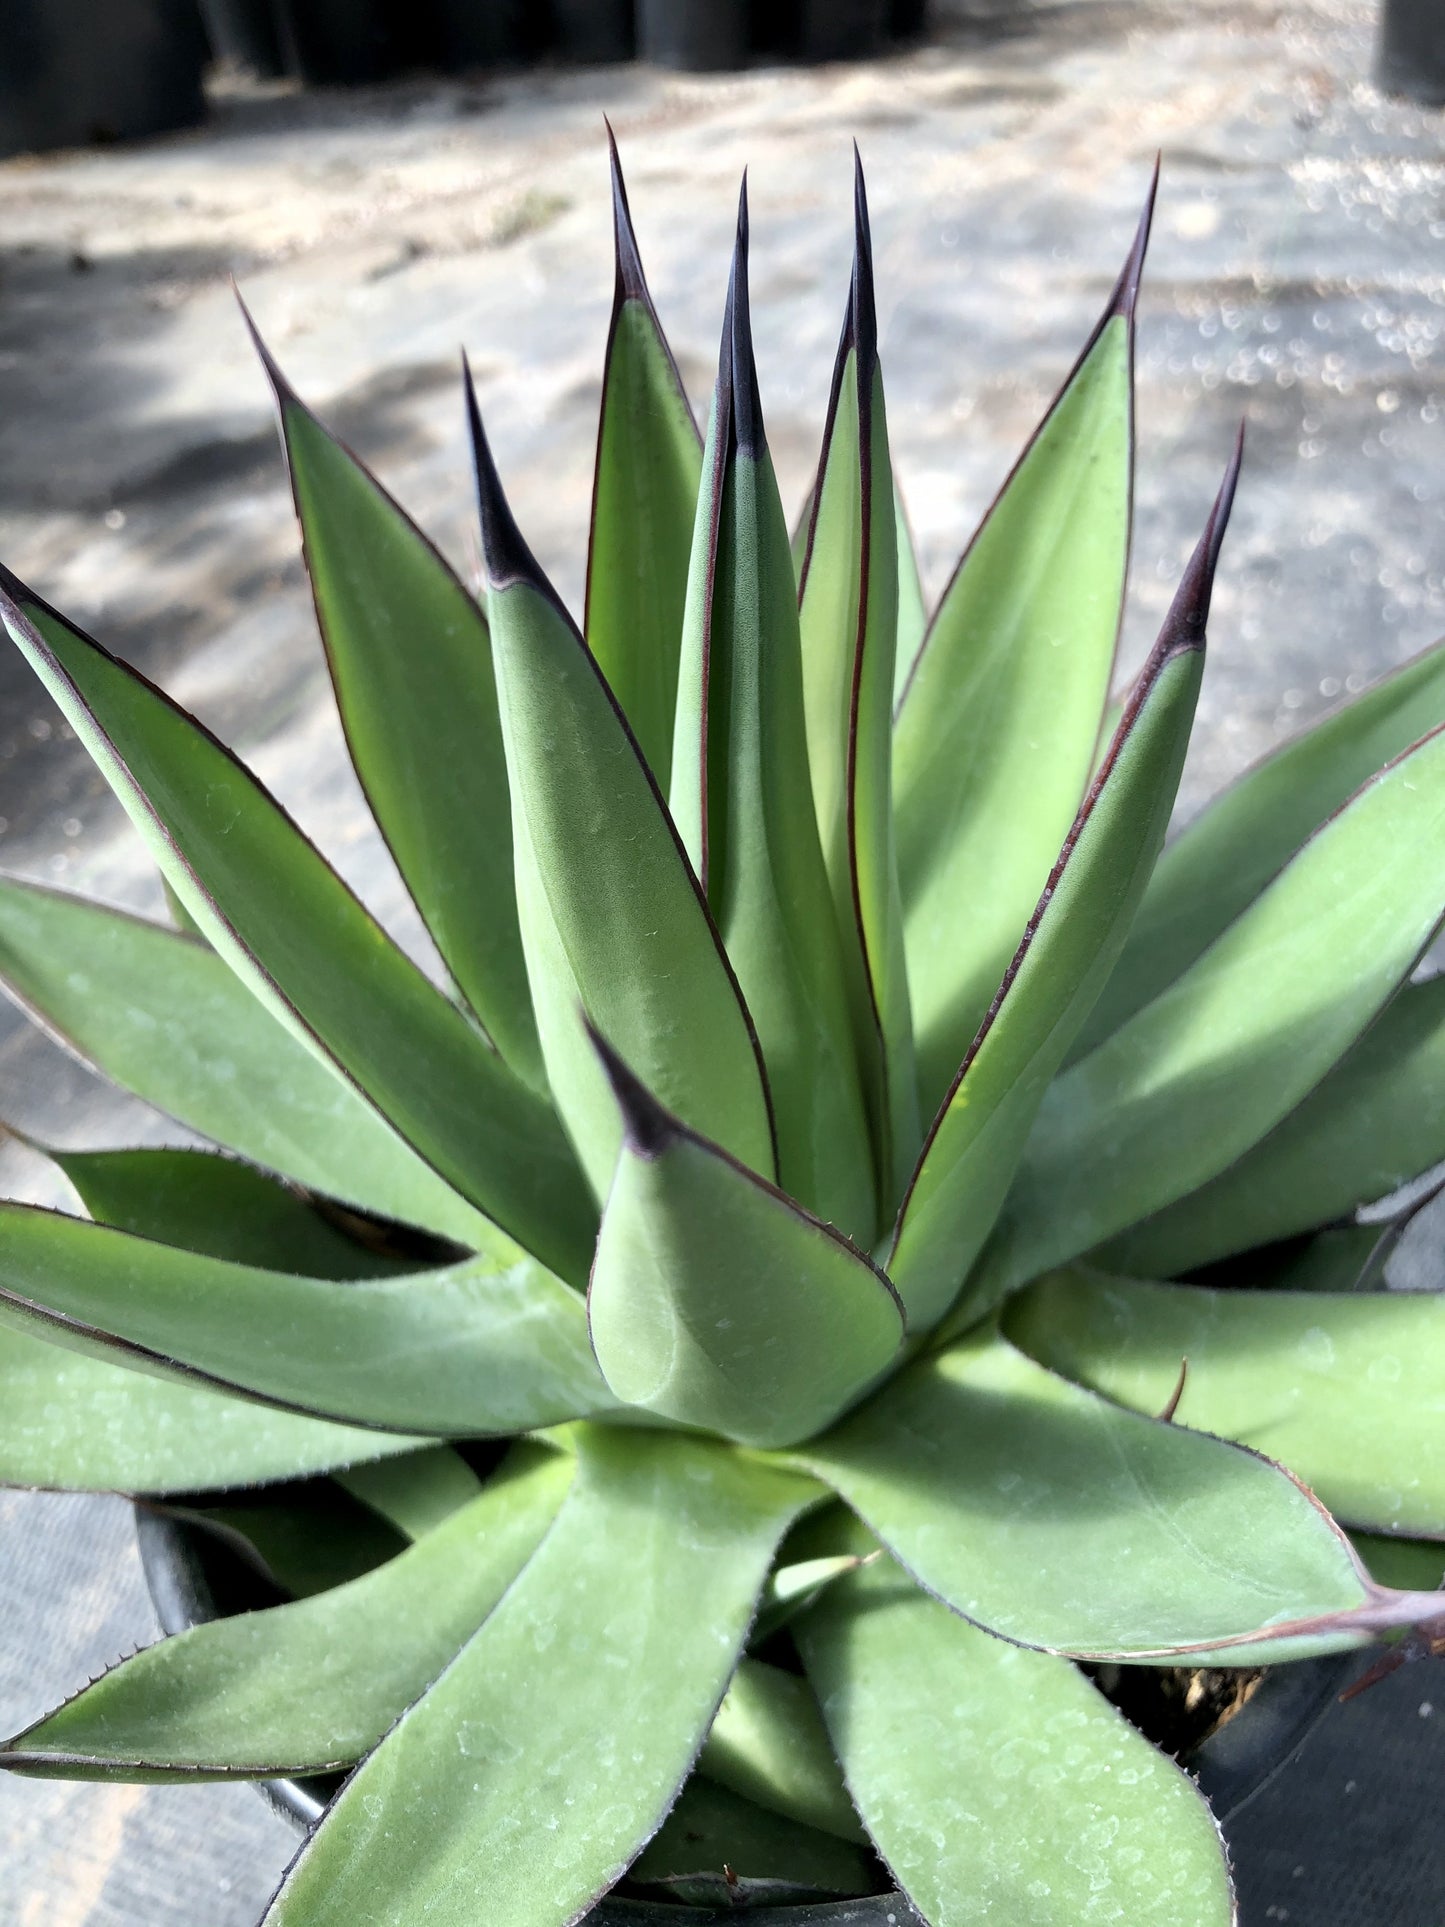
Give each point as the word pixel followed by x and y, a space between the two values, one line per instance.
pixel 716 1357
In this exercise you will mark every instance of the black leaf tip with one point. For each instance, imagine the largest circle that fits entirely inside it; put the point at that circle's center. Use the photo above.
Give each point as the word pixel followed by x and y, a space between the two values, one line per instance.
pixel 864 316
pixel 646 1127
pixel 1125 298
pixel 1188 616
pixel 285 394
pixel 505 555
pixel 631 282
pixel 739 375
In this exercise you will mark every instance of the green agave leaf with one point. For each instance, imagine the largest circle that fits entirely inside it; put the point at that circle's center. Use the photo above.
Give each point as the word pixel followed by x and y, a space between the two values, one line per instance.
pixel 310 1686
pixel 416 1492
pixel 912 608
pixel 998 1784
pixel 303 1538
pixel 1053 1518
pixel 743 802
pixel 221 1208
pixel 411 662
pixel 1376 1121
pixel 1343 1258
pixel 1346 1389
pixel 718 1302
pixel 848 619
pixel 639 1598
pixel 766 1857
pixel 163 1016
pixel 997 723
pixel 71 1423
pixel 1075 934
pixel 467 1350
pixel 644 497
pixel 180 915
pixel 790 1588
pixel 1201 1074
pixel 769 1745
pixel 1412 1565
pixel 613 919
pixel 286 923
pixel 1226 856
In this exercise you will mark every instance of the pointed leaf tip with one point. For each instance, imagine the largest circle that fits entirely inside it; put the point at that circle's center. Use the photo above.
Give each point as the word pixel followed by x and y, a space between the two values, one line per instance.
pixel 647 1128
pixel 631 281
pixel 738 377
pixel 505 555
pixel 863 317
pixel 1125 298
pixel 1185 624
pixel 281 387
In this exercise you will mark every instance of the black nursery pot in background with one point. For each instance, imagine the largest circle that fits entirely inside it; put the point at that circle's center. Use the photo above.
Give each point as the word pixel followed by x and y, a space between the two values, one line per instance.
pixel 186 1568
pixel 77 71
pixel 1411 57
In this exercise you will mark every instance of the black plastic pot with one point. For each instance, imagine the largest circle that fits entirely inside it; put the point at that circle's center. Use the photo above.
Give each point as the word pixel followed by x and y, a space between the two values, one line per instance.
pixel 73 72
pixel 243 32
pixel 589 31
pixel 843 29
pixel 345 42
pixel 1231 1766
pixel 698 35
pixel 1411 58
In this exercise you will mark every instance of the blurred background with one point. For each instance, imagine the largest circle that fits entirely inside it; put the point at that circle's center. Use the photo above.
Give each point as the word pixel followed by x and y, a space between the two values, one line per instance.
pixel 389 182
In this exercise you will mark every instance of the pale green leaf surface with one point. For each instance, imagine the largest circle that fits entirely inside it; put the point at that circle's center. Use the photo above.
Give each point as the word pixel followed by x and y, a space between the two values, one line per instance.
pixel 999 1785
pixel 308 1686
pixel 644 496
pixel 997 724
pixel 848 617
pixel 1347 1389
pixel 416 1492
pixel 472 1348
pixel 73 1423
pixel 613 919
pixel 1376 1121
pixel 1054 1518
pixel 912 607
pixel 771 1859
pixel 287 924
pixel 411 661
pixel 717 1302
pixel 180 915
pixel 769 1745
pixel 219 1207
pixel 1225 857
pixel 743 801
pixel 975 1143
pixel 615 1644
pixel 1414 1565
pixel 163 1016
pixel 1198 1076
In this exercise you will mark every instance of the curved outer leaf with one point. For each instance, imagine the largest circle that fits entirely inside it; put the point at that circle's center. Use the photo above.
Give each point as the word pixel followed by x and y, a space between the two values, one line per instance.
pixel 1347 1389
pixel 716 1301
pixel 768 1744
pixel 613 917
pixel 848 619
pixel 468 1350
pixel 416 1493
pixel 286 923
pixel 1055 1519
pixel 997 1783
pixel 311 1686
pixel 743 802
pixel 71 1423
pixel 1226 856
pixel 163 1016
pixel 220 1208
pixel 411 662
pixel 1067 952
pixel 1376 1121
pixel 644 497
pixel 718 1850
pixel 516 1791
pixel 1199 1075
pixel 997 724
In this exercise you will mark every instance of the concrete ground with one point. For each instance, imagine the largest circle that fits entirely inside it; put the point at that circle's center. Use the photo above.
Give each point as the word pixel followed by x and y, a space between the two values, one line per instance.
pixel 1297 277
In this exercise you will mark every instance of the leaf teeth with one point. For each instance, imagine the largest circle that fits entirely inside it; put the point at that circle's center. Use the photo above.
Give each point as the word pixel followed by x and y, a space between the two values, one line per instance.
pixel 647 1127
pixel 738 374
pixel 505 554
pixel 1184 626
pixel 1125 297
pixel 863 314
pixel 631 281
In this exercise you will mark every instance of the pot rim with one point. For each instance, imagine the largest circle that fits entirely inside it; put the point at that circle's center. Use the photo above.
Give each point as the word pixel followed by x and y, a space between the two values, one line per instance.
pixel 1230 1767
